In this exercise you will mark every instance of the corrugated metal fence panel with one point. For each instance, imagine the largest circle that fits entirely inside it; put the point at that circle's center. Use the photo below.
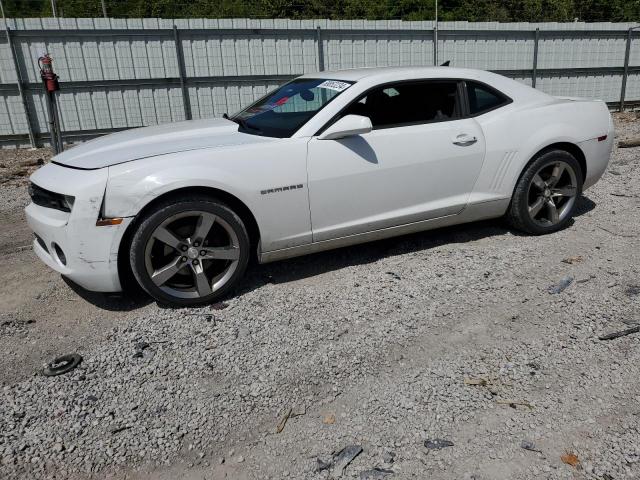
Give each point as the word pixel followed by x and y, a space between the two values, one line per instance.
pixel 245 50
pixel 605 87
pixel 489 51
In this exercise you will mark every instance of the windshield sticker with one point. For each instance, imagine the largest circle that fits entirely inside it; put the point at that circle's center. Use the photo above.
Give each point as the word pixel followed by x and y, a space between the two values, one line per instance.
pixel 334 85
pixel 268 107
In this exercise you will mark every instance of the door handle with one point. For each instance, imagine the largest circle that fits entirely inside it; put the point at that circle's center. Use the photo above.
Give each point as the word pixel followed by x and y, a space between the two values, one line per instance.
pixel 464 140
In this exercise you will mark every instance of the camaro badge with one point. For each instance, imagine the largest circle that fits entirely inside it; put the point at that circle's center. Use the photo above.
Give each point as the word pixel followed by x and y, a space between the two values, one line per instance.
pixel 281 189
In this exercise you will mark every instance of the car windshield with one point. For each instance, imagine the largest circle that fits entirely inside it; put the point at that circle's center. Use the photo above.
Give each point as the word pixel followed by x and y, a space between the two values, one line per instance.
pixel 282 112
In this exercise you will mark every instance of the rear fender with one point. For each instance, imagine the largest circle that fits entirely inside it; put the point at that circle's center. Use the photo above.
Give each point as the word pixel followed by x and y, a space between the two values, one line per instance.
pixel 515 139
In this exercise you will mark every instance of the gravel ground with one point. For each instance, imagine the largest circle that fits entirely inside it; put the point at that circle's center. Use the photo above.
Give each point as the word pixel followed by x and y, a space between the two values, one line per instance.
pixel 447 335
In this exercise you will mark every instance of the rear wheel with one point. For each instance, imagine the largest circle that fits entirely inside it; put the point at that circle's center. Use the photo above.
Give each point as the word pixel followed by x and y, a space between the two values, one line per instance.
pixel 544 200
pixel 189 252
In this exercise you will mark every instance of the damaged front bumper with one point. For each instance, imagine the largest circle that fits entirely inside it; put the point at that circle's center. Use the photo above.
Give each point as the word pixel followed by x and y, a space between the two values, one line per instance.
pixel 70 242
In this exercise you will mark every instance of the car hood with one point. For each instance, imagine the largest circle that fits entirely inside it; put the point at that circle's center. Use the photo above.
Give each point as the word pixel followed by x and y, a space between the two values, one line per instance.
pixel 146 142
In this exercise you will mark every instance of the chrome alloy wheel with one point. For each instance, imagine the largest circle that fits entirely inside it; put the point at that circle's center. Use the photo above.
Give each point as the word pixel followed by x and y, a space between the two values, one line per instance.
pixel 192 254
pixel 552 193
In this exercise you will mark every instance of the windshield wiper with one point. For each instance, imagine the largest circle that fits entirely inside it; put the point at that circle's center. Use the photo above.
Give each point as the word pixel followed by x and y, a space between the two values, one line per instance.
pixel 243 123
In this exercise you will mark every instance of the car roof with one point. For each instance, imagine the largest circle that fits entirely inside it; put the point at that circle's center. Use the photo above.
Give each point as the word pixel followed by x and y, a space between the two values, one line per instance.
pixel 375 75
pixel 356 74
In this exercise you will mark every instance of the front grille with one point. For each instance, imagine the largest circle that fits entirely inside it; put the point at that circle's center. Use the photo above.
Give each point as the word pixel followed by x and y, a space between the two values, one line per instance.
pixel 46 198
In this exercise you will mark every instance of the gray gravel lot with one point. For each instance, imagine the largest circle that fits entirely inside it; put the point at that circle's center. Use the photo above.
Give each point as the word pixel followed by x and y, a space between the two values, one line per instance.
pixel 449 335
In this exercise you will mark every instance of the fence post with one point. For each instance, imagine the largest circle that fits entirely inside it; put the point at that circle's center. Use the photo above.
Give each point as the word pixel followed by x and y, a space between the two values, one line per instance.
pixel 534 71
pixel 14 57
pixel 320 49
pixel 183 74
pixel 623 89
pixel 435 44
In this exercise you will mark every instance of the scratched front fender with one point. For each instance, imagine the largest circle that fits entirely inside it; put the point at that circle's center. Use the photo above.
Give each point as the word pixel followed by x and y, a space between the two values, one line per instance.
pixel 269 178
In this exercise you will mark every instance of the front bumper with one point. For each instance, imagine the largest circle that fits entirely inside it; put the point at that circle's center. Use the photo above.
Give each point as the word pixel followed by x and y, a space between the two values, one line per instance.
pixel 89 253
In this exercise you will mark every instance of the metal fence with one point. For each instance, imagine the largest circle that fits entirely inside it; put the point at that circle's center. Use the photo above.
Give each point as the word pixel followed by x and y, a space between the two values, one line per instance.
pixel 123 73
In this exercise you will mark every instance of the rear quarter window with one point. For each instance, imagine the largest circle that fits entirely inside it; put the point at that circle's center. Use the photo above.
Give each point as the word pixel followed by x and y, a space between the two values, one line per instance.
pixel 483 99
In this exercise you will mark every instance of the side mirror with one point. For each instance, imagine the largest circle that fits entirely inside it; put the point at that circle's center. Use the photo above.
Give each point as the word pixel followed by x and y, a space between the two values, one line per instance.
pixel 347 126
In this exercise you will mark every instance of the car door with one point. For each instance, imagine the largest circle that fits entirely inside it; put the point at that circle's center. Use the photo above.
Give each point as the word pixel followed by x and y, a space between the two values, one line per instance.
pixel 419 162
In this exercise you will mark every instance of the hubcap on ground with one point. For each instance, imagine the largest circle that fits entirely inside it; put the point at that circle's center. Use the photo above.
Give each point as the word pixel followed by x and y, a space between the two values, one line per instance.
pixel 192 254
pixel 552 193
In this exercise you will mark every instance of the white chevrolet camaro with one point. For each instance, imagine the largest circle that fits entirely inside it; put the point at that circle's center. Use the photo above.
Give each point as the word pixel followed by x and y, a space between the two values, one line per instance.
pixel 327 160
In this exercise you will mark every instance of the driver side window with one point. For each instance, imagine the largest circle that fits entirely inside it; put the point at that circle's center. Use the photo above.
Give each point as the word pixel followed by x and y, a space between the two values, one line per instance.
pixel 409 103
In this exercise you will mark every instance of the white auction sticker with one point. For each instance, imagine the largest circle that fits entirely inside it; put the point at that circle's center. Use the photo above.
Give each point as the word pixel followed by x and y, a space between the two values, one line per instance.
pixel 334 85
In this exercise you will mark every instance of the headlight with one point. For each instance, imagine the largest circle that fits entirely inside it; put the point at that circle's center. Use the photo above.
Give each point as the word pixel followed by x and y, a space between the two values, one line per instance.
pixel 67 202
pixel 46 198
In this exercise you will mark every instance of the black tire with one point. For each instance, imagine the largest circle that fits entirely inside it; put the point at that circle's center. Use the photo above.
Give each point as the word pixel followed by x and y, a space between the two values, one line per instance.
pixel 184 206
pixel 518 214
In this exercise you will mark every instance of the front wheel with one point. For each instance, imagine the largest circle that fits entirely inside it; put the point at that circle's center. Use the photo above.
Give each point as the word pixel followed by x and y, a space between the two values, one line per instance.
pixel 189 251
pixel 545 197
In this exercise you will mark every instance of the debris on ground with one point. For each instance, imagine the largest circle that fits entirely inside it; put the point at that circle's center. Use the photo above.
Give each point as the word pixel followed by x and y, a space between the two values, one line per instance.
pixel 62 365
pixel 388 457
pixel 437 443
pixel 329 419
pixel 120 429
pixel 623 195
pixel 283 422
pixel 475 381
pixel 629 143
pixel 321 465
pixel 140 347
pixel 617 234
pixel 529 445
pixel 585 279
pixel 32 162
pixel 21 169
pixel 570 459
pixel 376 473
pixel 342 460
pixel 515 403
pixel 289 414
pixel 622 333
pixel 561 286
pixel 206 316
pixel 572 260
pixel 219 306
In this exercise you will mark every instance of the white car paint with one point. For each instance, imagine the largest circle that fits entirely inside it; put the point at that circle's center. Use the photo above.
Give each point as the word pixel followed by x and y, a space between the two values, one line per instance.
pixel 381 183
pixel 392 187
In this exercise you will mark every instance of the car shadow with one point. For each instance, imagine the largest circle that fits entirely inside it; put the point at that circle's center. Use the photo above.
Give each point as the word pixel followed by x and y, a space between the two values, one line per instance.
pixel 133 297
pixel 360 147
pixel 584 205
pixel 319 263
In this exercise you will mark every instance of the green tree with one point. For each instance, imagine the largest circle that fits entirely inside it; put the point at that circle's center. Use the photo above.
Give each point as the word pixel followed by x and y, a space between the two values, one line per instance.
pixel 470 10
